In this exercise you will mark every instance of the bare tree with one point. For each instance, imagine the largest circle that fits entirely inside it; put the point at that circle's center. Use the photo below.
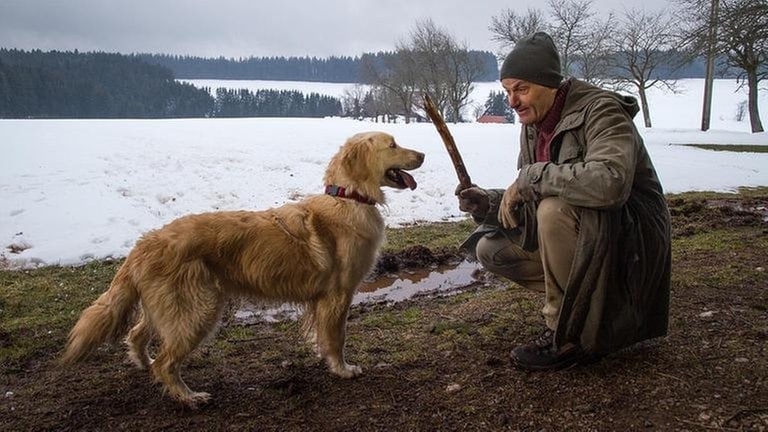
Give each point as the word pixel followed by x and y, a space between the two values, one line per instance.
pixel 743 39
pixel 352 101
pixel 569 28
pixel 445 69
pixel 641 45
pixel 388 104
pixel 396 74
pixel 463 70
pixel 581 38
pixel 711 52
pixel 593 57
pixel 509 27
pixel 428 61
pixel 699 22
pixel 736 30
pixel 430 47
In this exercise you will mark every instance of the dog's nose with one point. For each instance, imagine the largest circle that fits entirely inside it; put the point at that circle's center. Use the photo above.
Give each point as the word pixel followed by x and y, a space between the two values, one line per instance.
pixel 420 156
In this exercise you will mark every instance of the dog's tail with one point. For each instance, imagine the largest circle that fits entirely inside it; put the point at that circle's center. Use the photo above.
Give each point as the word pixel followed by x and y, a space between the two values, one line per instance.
pixel 104 320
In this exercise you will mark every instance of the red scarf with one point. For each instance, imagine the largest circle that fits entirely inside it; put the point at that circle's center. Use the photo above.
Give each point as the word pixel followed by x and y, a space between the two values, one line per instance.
pixel 547 126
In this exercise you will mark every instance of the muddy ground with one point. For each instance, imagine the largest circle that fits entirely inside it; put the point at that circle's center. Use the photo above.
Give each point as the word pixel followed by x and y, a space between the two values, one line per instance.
pixel 441 362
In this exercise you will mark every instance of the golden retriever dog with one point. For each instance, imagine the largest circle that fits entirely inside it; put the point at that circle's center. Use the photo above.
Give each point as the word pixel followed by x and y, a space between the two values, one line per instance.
pixel 313 253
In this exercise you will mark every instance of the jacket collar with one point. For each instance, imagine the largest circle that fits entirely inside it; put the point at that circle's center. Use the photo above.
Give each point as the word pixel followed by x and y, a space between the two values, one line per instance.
pixel 548 124
pixel 582 94
pixel 342 192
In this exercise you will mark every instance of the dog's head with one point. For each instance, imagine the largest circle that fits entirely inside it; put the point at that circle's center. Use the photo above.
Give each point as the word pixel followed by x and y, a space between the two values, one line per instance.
pixel 370 160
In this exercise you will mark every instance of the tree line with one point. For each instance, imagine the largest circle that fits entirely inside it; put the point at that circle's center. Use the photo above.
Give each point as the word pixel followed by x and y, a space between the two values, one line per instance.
pixel 332 69
pixel 55 84
pixel 72 84
pixel 274 103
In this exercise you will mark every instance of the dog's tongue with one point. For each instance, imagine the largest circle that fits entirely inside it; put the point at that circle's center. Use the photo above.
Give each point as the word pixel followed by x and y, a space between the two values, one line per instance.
pixel 407 179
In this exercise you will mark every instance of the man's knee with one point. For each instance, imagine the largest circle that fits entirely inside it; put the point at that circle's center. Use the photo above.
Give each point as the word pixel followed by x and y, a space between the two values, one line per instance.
pixel 487 250
pixel 553 215
pixel 501 256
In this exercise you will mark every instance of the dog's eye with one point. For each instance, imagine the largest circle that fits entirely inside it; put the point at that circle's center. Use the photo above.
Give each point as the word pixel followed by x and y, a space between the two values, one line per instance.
pixel 393 145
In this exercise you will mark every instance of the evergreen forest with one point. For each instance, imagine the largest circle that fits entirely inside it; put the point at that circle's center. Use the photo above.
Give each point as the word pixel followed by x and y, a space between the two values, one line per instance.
pixel 332 69
pixel 36 84
pixel 71 84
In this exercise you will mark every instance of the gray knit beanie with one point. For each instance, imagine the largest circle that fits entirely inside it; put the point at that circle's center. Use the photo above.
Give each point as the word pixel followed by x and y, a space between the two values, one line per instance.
pixel 534 58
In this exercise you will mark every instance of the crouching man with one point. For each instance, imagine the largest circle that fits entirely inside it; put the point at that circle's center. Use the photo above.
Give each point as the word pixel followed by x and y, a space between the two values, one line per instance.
pixel 585 223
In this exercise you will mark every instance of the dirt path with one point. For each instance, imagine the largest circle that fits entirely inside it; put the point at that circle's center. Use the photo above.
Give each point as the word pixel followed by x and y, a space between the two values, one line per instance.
pixel 441 363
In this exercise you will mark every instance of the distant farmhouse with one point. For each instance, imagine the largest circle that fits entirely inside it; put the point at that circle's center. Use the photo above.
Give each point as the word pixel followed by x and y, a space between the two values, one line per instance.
pixel 492 119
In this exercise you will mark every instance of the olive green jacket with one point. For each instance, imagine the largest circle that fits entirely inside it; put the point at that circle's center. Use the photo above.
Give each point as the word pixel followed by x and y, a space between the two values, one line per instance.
pixel 618 289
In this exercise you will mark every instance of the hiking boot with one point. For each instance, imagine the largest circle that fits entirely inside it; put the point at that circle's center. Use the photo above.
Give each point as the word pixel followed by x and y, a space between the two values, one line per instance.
pixel 541 354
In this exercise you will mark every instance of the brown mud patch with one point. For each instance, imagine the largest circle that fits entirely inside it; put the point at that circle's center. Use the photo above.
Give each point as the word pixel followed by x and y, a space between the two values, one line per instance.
pixel 692 216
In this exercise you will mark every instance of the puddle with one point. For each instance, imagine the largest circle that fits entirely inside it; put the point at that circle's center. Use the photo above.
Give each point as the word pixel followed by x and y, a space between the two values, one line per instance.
pixel 388 288
pixel 409 283
pixel 249 312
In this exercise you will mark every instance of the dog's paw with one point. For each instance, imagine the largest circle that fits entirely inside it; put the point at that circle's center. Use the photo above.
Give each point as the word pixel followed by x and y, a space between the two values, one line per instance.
pixel 196 399
pixel 139 361
pixel 348 371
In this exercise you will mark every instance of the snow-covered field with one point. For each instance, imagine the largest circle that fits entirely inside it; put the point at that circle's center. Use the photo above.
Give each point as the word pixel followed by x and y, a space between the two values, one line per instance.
pixel 76 190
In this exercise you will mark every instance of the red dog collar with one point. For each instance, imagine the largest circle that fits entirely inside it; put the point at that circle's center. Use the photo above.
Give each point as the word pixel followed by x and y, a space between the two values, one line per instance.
pixel 341 192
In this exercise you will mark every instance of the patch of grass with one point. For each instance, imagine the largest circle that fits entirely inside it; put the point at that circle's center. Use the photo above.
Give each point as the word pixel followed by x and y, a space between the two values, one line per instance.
pixel 286 326
pixel 37 307
pixel 461 297
pixel 743 192
pixel 412 314
pixel 385 319
pixel 739 148
pixel 238 333
pixel 731 247
pixel 725 241
pixel 434 236
pixel 453 328
pixel 713 241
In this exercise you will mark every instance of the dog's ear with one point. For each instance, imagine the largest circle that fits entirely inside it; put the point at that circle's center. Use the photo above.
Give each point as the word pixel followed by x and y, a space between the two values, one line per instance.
pixel 351 157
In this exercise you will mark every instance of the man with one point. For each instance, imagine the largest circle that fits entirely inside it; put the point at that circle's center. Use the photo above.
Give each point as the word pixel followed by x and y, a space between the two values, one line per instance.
pixel 585 223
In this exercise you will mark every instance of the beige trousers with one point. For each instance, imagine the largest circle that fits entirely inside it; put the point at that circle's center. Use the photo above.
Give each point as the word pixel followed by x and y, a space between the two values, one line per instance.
pixel 546 269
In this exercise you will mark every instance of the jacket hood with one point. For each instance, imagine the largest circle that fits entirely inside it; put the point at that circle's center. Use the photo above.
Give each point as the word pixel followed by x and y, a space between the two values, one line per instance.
pixel 582 94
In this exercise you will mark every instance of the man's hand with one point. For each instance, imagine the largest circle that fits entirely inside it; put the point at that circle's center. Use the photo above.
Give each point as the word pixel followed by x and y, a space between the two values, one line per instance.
pixel 473 200
pixel 508 207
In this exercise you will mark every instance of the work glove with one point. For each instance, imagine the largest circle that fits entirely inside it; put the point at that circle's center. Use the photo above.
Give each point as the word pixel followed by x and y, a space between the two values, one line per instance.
pixel 473 200
pixel 508 207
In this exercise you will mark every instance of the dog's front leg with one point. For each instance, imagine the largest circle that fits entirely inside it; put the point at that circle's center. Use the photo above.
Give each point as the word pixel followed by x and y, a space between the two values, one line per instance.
pixel 331 323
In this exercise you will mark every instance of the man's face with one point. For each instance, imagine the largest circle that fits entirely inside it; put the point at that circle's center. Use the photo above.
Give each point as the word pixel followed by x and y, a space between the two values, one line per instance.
pixel 530 101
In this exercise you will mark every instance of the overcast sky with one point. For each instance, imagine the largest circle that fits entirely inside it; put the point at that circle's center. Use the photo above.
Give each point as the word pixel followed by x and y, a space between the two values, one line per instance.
pixel 243 28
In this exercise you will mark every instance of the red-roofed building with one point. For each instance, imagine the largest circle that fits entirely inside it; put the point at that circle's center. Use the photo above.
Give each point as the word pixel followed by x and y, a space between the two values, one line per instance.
pixel 492 119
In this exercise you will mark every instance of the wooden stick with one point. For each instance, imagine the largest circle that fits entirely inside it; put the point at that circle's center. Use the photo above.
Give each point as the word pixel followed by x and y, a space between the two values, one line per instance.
pixel 450 144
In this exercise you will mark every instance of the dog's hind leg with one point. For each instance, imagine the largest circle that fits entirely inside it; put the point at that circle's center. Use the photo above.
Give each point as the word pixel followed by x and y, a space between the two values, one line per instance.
pixel 195 315
pixel 331 323
pixel 175 347
pixel 309 327
pixel 138 342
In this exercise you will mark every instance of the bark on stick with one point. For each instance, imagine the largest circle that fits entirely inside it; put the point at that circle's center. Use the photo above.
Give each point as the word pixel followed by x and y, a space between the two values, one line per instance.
pixel 450 144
